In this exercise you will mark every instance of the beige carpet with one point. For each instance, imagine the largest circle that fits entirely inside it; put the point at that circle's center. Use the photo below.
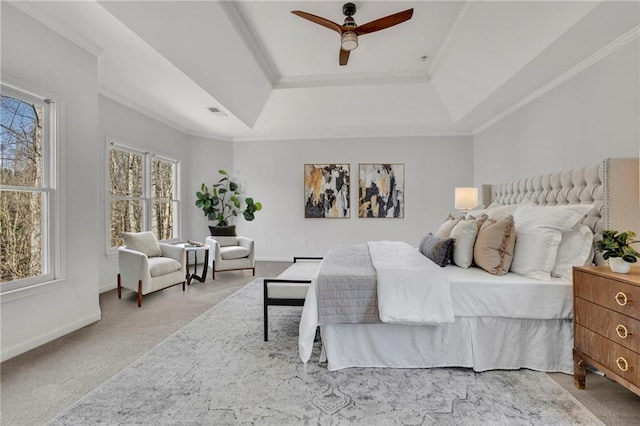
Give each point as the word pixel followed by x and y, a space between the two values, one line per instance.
pixel 39 384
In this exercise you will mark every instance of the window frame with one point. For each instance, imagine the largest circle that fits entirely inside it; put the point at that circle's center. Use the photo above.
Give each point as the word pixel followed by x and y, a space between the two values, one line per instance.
pixel 51 186
pixel 147 199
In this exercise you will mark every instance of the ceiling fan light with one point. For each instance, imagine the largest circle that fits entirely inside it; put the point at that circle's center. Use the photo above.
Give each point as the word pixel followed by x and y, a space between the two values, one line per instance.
pixel 349 40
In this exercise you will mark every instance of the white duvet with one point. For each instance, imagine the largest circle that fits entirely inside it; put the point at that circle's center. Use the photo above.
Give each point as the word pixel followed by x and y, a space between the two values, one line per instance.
pixel 411 290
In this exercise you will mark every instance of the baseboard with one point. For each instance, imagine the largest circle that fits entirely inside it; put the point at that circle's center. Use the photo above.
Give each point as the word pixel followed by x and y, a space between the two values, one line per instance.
pixel 23 347
pixel 106 287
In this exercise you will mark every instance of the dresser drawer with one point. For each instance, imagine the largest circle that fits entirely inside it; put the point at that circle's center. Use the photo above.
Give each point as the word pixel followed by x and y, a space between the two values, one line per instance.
pixel 616 295
pixel 616 327
pixel 615 357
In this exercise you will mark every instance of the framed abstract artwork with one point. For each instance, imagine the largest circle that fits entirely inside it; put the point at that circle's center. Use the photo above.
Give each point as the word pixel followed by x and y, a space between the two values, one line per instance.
pixel 327 191
pixel 381 190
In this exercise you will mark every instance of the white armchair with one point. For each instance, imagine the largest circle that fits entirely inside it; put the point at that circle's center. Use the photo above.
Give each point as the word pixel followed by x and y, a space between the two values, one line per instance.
pixel 231 254
pixel 145 266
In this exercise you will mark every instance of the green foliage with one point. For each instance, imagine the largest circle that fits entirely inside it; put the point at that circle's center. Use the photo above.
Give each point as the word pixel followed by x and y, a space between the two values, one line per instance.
pixel 224 201
pixel 614 244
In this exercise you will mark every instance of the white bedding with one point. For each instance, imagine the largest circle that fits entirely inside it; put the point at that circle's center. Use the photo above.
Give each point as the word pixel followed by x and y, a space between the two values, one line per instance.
pixel 476 293
pixel 501 322
pixel 411 288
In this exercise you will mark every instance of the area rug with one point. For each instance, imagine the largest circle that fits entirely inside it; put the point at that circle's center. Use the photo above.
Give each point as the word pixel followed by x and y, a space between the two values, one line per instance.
pixel 217 370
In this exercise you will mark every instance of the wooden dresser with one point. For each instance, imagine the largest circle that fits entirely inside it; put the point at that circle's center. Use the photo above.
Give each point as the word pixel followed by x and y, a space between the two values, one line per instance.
pixel 606 310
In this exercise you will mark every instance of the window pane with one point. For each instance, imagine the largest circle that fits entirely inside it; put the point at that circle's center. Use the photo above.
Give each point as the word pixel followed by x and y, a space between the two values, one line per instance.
pixel 125 173
pixel 162 179
pixel 21 229
pixel 20 143
pixel 163 219
pixel 126 216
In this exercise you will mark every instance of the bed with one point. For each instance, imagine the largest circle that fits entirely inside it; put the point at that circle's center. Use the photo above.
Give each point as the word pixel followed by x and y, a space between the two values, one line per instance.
pixel 498 322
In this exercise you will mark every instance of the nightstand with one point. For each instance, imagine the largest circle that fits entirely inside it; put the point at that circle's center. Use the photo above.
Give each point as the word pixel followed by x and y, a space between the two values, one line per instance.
pixel 606 312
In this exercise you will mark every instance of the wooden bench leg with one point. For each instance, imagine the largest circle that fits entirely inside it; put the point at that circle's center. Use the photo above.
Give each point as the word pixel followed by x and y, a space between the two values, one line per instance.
pixel 139 293
pixel 119 288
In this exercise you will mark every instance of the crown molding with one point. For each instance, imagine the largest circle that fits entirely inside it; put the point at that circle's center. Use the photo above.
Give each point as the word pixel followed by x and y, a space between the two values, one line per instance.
pixel 39 15
pixel 355 79
pixel 160 119
pixel 581 66
pixel 445 47
pixel 349 133
pixel 257 49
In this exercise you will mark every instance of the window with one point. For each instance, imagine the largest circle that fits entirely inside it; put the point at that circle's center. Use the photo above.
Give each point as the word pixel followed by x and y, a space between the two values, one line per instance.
pixel 27 192
pixel 142 193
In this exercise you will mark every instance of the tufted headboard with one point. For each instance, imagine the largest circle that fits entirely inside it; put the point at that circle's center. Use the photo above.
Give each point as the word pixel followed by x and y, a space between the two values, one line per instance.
pixel 611 186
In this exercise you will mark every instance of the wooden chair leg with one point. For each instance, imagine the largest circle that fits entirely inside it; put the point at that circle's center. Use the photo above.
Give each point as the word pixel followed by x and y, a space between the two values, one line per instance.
pixel 139 293
pixel 213 272
pixel 254 271
pixel 183 285
pixel 119 288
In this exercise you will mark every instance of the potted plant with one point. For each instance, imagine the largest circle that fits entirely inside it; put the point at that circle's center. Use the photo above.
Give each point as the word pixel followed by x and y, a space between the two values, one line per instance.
pixel 616 247
pixel 224 202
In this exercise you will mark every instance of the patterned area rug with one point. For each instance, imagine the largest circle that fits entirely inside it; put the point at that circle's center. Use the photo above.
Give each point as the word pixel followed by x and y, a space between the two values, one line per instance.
pixel 217 370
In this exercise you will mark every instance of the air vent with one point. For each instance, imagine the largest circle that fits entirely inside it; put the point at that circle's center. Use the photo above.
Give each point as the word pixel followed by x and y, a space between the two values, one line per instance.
pixel 217 112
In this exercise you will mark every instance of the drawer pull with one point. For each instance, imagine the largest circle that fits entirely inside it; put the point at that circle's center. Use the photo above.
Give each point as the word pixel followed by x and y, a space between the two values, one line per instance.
pixel 622 331
pixel 621 299
pixel 622 364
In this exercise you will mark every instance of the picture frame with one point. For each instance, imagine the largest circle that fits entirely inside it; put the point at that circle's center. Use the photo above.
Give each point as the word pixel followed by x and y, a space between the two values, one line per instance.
pixel 381 192
pixel 327 190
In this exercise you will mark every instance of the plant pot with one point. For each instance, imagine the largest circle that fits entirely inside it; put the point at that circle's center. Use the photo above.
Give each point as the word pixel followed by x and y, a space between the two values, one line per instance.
pixel 223 231
pixel 619 265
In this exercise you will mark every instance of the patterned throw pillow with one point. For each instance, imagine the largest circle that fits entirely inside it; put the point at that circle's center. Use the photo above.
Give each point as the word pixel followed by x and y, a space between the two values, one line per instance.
pixel 495 245
pixel 439 250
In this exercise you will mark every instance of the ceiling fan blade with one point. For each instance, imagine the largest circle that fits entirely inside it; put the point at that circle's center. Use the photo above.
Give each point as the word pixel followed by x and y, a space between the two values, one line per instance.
pixel 318 20
pixel 386 22
pixel 344 56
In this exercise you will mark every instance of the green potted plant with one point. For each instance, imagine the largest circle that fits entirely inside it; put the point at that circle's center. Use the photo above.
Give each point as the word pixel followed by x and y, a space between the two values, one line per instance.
pixel 223 202
pixel 616 248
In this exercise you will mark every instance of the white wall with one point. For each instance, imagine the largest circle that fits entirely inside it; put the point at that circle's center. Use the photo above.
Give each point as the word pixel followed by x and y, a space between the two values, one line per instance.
pixel 206 157
pixel 594 115
pixel 273 172
pixel 40 60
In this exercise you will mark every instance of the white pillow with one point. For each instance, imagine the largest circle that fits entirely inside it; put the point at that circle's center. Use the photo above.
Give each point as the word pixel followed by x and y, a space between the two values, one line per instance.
pixel 575 249
pixel 144 242
pixel 465 233
pixel 500 212
pixel 538 235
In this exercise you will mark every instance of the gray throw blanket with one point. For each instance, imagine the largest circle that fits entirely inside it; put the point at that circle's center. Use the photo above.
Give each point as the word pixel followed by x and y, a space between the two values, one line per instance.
pixel 347 286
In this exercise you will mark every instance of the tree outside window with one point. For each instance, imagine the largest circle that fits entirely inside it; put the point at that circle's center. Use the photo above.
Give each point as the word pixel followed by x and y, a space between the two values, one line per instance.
pixel 142 194
pixel 24 195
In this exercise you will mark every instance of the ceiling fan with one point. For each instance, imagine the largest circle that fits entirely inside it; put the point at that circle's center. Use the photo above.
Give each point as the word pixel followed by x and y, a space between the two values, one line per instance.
pixel 350 31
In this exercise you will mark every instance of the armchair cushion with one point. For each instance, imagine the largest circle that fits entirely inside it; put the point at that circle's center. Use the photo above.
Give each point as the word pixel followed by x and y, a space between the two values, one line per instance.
pixel 162 266
pixel 234 252
pixel 144 242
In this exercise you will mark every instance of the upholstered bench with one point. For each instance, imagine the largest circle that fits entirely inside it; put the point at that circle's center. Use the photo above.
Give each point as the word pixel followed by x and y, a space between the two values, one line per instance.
pixel 290 287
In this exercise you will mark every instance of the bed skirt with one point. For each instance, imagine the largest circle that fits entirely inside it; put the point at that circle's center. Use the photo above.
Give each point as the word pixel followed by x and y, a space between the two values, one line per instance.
pixel 481 343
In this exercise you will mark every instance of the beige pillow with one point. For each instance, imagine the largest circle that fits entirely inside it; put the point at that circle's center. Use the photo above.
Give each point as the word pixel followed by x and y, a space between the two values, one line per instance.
pixel 144 242
pixel 445 229
pixel 464 233
pixel 495 244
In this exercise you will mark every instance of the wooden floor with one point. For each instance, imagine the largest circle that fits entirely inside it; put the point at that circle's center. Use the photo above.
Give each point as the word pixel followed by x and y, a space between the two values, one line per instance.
pixel 37 385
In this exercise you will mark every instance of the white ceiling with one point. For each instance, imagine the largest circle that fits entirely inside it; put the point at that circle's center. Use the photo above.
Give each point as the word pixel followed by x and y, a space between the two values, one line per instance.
pixel 277 75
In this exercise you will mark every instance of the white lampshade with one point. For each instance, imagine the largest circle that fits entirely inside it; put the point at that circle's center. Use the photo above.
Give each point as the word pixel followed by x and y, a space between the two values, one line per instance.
pixel 466 198
pixel 349 40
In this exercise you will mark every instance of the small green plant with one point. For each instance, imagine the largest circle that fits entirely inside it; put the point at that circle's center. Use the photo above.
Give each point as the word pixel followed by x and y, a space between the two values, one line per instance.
pixel 224 201
pixel 614 244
